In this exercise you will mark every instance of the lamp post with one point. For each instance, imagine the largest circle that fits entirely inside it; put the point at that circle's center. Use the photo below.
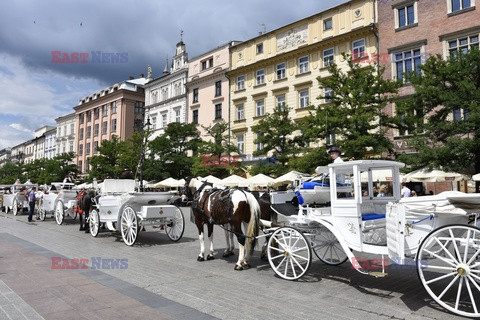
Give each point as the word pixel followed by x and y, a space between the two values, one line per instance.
pixel 142 155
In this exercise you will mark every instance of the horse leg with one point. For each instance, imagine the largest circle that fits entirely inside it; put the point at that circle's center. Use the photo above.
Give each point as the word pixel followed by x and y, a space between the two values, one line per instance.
pixel 240 265
pixel 201 240
pixel 210 238
pixel 80 219
pixel 247 253
pixel 229 251
pixel 87 225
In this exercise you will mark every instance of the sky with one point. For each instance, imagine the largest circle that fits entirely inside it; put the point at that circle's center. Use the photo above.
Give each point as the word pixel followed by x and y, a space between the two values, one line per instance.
pixel 37 85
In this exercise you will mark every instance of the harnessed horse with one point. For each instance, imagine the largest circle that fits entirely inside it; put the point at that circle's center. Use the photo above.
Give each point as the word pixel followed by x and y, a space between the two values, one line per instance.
pixel 230 207
pixel 84 204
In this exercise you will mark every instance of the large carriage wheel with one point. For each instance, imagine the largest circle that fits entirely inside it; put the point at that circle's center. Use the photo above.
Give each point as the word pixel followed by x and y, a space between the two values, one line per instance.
pixel 289 253
pixel 59 212
pixel 129 226
pixel 15 207
pixel 448 265
pixel 94 222
pixel 326 246
pixel 176 226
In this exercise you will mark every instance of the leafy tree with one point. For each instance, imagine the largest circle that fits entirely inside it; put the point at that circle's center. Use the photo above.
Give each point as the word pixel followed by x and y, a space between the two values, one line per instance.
pixel 354 111
pixel 276 132
pixel 444 113
pixel 10 172
pixel 311 159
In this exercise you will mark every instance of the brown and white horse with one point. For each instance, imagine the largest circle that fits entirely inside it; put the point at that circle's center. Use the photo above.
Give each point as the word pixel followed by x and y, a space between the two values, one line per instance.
pixel 227 207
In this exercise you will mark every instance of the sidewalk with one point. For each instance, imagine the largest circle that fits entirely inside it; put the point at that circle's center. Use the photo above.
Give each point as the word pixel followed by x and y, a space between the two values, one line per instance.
pixel 31 289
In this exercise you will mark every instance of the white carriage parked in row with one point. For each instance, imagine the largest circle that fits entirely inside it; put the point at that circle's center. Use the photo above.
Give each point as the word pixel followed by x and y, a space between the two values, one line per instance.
pixel 120 207
pixel 66 202
pixel 438 233
pixel 16 199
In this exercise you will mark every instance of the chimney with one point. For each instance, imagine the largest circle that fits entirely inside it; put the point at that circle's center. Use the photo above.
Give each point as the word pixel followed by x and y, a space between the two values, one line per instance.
pixel 131 78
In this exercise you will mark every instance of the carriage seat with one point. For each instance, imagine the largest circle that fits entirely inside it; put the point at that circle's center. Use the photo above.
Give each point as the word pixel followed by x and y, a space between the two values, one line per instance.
pixel 374 223
pixel 312 184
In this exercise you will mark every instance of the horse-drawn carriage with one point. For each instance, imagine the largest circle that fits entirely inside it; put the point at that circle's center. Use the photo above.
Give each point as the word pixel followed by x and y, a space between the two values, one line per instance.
pixel 65 202
pixel 15 198
pixel 438 234
pixel 120 207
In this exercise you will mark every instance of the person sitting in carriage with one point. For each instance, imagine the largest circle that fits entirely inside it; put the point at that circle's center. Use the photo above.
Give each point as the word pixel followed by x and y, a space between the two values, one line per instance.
pixel 126 174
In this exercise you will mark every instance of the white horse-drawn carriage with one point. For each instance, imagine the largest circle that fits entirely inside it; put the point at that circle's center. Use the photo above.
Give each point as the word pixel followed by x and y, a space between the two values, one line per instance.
pixel 65 202
pixel 15 199
pixel 438 234
pixel 120 207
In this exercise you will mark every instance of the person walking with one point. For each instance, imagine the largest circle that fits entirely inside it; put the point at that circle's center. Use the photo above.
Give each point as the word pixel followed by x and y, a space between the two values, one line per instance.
pixel 31 203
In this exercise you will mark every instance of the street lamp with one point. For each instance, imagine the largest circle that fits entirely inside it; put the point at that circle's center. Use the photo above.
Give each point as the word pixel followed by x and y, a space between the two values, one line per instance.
pixel 142 155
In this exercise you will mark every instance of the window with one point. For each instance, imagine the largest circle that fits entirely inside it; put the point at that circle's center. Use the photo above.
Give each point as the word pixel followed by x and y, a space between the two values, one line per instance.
pixel 195 116
pixel 406 62
pixel 280 102
pixel 87 165
pixel 89 132
pixel 260 77
pixel 260 145
pixel 95 147
pixel 177 89
pixel 195 95
pixel 457 5
pixel 96 130
pixel 81 118
pixel 105 110
pixel 80 165
pixel 358 49
pixel 303 99
pixel 113 127
pixel 81 134
pixel 328 57
pixel 461 114
pixel 303 64
pixel 240 82
pixel 462 44
pixel 164 120
pixel 280 71
pixel 327 24
pixel 104 127
pixel 210 62
pixel 87 148
pixel 80 150
pixel 260 107
pixel 154 122
pixel 240 112
pixel 177 115
pixel 404 129
pixel 139 107
pixel 327 92
pixel 138 125
pixel 72 128
pixel 240 144
pixel 405 15
pixel 260 48
pixel 96 113
pixel 218 88
pixel 70 147
pixel 204 65
pixel 218 111
pixel 114 107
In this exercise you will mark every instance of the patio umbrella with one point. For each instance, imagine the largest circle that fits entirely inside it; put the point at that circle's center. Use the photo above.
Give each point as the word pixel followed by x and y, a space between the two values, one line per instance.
pixel 260 180
pixel 288 177
pixel 211 179
pixel 476 177
pixel 232 181
pixel 381 175
pixel 167 183
pixel 425 175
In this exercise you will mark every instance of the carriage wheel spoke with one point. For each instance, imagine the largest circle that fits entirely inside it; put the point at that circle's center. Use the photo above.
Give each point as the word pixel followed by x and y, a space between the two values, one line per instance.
pixel 448 287
pixel 467 283
pixel 474 257
pixel 459 293
pixel 440 278
pixel 279 256
pixel 477 285
pixel 277 249
pixel 452 269
pixel 446 250
pixel 466 247
pixel 475 276
pixel 441 258
pixel 293 268
pixel 300 249
pixel 299 257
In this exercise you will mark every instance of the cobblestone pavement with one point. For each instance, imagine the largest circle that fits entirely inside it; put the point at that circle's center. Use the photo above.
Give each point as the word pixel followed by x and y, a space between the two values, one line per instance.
pixel 163 280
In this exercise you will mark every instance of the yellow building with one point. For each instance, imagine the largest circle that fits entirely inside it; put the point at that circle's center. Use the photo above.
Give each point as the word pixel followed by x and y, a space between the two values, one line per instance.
pixel 281 67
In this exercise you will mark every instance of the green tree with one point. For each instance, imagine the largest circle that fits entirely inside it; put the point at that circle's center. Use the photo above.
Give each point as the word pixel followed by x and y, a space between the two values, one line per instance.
pixel 10 172
pixel 354 111
pixel 444 113
pixel 311 159
pixel 276 133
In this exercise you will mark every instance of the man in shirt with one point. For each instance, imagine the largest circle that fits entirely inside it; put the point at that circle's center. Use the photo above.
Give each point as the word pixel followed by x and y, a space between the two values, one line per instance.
pixel 31 203
pixel 335 154
pixel 405 192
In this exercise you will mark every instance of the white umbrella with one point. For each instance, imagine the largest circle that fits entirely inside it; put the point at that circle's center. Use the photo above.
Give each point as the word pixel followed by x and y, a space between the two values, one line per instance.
pixel 380 175
pixel 288 177
pixel 476 177
pixel 167 183
pixel 232 181
pixel 260 180
pixel 425 175
pixel 211 179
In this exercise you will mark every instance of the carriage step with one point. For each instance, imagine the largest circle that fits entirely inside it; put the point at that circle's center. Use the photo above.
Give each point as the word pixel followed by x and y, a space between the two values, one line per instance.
pixel 378 274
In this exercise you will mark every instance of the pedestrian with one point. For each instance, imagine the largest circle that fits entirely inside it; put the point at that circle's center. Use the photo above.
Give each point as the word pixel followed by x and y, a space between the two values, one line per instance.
pixel 405 192
pixel 31 203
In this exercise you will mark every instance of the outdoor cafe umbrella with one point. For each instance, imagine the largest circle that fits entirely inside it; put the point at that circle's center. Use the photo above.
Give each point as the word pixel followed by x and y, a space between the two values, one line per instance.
pixel 288 177
pixel 167 183
pixel 232 181
pixel 259 180
pixel 425 175
pixel 476 177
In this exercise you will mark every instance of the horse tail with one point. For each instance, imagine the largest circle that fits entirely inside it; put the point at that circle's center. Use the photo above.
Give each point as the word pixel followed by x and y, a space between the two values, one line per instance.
pixel 254 224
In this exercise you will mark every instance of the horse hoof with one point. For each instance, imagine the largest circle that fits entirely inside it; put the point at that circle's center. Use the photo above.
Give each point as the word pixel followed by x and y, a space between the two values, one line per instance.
pixel 227 254
pixel 81 229
pixel 246 266
pixel 238 268
pixel 210 257
pixel 200 259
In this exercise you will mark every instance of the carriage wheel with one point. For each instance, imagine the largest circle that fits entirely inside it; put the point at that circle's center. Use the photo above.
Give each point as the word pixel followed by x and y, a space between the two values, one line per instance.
pixel 448 265
pixel 59 212
pixel 326 247
pixel 129 226
pixel 176 226
pixel 15 207
pixel 94 222
pixel 289 253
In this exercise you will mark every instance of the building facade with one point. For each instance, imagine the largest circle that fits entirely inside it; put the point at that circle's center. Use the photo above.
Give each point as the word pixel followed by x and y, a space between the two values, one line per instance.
pixel 411 31
pixel 50 147
pixel 280 68
pixel 117 110
pixel 165 97
pixel 5 156
pixel 65 136
pixel 208 87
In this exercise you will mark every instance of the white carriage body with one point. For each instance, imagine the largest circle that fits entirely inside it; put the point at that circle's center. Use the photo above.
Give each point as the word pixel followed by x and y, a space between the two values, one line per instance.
pixel 48 201
pixel 17 195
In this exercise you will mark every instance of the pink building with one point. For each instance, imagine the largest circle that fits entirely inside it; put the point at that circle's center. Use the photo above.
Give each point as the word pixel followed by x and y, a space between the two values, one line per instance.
pixel 208 86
